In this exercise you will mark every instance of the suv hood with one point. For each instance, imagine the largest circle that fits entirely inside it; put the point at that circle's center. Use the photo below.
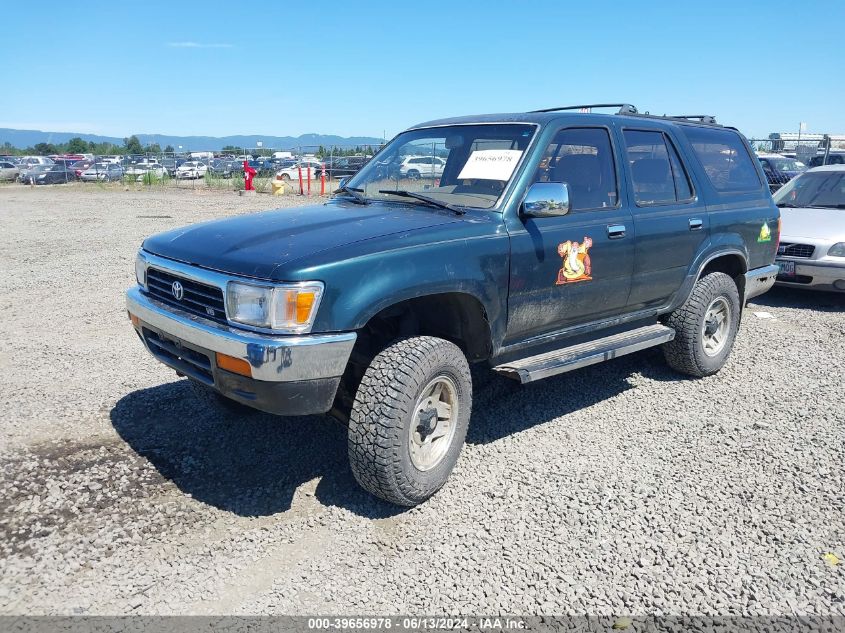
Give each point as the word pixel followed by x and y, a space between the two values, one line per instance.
pixel 257 244
pixel 816 224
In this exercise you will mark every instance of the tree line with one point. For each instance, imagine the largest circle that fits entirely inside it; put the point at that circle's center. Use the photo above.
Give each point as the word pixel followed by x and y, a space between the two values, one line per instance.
pixel 77 145
pixel 132 145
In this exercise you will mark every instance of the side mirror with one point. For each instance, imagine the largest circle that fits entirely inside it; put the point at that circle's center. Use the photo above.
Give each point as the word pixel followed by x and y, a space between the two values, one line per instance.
pixel 546 199
pixel 343 181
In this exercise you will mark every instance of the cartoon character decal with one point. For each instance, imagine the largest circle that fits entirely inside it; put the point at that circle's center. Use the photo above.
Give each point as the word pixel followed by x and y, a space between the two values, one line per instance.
pixel 765 233
pixel 576 261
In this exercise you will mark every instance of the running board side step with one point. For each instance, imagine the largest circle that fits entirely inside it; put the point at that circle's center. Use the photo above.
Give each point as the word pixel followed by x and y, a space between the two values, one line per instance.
pixel 568 358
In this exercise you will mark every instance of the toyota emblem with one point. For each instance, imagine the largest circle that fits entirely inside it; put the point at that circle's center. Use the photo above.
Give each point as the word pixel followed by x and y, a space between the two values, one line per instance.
pixel 177 290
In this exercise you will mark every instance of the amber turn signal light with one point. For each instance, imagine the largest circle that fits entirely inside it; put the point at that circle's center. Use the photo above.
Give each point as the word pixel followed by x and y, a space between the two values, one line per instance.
pixel 134 320
pixel 234 365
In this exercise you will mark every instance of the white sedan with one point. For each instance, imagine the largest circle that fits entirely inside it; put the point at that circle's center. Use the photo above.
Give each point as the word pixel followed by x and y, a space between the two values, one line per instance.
pixel 290 171
pixel 191 169
pixel 811 251
pixel 140 171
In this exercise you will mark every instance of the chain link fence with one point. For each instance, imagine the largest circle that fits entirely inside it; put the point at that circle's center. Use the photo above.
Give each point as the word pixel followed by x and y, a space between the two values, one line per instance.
pixel 783 156
pixel 300 170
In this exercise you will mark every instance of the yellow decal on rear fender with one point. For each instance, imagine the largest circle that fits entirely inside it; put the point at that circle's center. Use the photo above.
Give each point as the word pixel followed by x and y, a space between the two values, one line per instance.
pixel 765 233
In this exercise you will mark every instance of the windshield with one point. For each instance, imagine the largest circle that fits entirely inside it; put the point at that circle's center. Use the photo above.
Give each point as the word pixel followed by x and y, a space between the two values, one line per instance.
pixel 787 164
pixel 813 189
pixel 465 165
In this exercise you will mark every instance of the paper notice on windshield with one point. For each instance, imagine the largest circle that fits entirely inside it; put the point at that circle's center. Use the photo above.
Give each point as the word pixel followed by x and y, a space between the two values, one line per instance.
pixel 491 164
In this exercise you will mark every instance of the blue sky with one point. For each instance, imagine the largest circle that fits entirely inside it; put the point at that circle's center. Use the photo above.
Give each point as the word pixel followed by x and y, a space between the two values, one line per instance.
pixel 368 68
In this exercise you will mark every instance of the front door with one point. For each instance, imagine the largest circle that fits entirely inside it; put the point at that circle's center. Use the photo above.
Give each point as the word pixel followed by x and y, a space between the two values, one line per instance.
pixel 575 268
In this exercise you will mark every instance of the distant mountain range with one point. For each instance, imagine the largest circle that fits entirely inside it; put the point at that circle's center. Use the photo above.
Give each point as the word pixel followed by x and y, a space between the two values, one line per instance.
pixel 29 138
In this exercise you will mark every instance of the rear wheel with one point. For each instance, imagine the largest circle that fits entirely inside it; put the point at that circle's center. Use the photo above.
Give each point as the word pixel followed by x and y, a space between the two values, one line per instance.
pixel 705 327
pixel 413 174
pixel 409 419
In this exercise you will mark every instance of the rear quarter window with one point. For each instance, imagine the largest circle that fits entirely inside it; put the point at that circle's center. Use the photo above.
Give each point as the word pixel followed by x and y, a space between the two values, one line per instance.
pixel 725 159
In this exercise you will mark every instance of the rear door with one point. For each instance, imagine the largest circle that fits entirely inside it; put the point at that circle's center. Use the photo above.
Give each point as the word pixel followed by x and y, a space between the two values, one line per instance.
pixel 576 268
pixel 670 219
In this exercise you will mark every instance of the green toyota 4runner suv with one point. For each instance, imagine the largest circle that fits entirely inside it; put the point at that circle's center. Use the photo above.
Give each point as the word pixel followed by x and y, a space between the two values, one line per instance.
pixel 532 243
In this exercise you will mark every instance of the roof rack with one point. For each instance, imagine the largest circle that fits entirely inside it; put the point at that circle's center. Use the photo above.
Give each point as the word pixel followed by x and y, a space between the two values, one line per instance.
pixel 624 108
pixel 704 118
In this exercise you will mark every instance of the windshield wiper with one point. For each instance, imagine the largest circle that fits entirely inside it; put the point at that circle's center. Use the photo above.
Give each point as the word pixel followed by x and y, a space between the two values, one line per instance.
pixel 789 205
pixel 427 199
pixel 355 193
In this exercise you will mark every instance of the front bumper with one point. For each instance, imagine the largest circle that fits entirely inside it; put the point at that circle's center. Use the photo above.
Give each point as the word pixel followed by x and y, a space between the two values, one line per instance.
pixel 759 280
pixel 814 275
pixel 290 375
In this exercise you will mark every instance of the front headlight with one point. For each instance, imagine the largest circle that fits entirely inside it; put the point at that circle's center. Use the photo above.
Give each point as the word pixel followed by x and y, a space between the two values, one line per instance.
pixel 141 270
pixel 289 308
pixel 837 250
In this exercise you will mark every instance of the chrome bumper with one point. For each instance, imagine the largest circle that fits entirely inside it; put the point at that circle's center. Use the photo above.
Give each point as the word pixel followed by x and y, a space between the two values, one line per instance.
pixel 759 280
pixel 272 358
pixel 824 275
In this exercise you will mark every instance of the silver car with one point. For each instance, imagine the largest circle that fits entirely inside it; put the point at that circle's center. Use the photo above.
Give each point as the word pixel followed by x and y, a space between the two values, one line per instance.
pixel 102 172
pixel 8 170
pixel 811 252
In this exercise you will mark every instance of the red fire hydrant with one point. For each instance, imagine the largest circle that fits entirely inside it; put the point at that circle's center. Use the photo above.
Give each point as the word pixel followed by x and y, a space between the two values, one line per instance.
pixel 249 174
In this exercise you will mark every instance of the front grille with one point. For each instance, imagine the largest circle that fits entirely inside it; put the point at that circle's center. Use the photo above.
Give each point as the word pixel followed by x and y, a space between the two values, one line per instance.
pixel 200 299
pixel 788 249
pixel 183 359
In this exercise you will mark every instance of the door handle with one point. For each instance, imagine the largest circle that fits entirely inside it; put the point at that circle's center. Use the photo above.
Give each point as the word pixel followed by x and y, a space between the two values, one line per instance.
pixel 695 224
pixel 615 231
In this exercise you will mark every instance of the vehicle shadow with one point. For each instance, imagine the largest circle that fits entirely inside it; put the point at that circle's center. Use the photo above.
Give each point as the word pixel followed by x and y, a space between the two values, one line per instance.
pixel 502 406
pixel 781 297
pixel 250 464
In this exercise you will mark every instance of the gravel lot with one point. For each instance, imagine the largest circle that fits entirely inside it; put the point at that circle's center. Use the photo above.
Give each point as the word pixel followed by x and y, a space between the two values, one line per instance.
pixel 618 489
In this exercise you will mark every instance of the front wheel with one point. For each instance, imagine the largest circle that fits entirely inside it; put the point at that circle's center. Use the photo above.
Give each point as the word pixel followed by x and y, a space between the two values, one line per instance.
pixel 409 419
pixel 705 327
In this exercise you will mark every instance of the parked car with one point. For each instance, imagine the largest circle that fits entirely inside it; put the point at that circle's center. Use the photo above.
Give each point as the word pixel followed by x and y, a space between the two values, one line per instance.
pixel 344 166
pixel 102 172
pixel 8 170
pixel 779 169
pixel 80 166
pixel 55 174
pixel 191 169
pixel 27 173
pixel 291 169
pixel 811 252
pixel 30 161
pixel 416 167
pixel 171 165
pixel 142 171
pixel 262 167
pixel 224 168
pixel 834 157
pixel 553 240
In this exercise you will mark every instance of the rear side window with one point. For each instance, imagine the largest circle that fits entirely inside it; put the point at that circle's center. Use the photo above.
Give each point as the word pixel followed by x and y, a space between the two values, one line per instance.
pixel 725 159
pixel 657 173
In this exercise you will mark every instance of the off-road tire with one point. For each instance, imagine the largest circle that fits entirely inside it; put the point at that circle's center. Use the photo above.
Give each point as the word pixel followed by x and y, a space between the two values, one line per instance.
pixel 215 401
pixel 381 419
pixel 685 353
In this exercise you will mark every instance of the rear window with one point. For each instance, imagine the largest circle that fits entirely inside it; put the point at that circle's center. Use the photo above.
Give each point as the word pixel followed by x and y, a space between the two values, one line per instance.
pixel 725 159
